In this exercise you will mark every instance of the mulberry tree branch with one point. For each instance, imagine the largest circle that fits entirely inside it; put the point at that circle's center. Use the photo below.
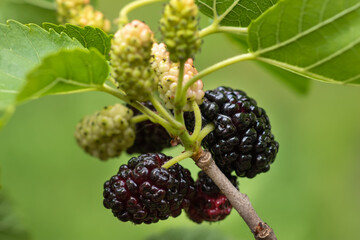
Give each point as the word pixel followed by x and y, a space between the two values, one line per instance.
pixel 237 199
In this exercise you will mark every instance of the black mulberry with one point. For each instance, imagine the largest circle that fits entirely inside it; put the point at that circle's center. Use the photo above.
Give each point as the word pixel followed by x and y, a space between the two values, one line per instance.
pixel 242 139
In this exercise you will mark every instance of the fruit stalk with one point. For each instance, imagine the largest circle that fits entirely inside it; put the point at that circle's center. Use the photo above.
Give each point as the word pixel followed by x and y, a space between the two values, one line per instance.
pixel 123 16
pixel 238 200
pixel 216 67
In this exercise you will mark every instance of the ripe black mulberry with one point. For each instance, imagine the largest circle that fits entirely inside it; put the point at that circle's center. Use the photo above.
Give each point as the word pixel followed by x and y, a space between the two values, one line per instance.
pixel 242 140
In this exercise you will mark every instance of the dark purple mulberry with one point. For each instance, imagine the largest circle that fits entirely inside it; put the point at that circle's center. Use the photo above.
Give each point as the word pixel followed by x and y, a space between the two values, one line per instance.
pixel 242 140
pixel 150 137
pixel 143 192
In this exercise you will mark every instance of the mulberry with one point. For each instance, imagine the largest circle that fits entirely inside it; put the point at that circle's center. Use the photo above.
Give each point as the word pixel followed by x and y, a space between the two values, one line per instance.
pixel 130 60
pixel 143 192
pixel 209 204
pixel 106 133
pixel 242 140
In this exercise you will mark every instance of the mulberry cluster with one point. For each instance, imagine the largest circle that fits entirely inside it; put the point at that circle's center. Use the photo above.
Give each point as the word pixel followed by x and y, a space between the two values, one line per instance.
pixel 209 204
pixel 80 12
pixel 130 59
pixel 143 192
pixel 150 137
pixel 179 26
pixel 168 72
pixel 242 140
pixel 106 133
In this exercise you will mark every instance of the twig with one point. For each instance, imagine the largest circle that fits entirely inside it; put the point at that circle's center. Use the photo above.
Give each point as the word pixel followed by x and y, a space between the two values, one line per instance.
pixel 237 199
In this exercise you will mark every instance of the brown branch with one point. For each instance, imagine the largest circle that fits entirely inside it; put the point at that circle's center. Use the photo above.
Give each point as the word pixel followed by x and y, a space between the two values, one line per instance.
pixel 237 199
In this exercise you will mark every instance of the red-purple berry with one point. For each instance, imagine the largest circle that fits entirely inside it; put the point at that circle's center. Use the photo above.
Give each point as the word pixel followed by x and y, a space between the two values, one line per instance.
pixel 208 204
pixel 143 192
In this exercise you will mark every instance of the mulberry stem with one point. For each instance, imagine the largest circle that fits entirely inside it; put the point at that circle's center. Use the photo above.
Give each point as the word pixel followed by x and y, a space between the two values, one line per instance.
pixel 123 16
pixel 215 67
pixel 198 120
pixel 152 116
pixel 237 199
pixel 164 112
pixel 205 131
pixel 179 98
pixel 139 118
pixel 217 29
pixel 184 155
pixel 179 114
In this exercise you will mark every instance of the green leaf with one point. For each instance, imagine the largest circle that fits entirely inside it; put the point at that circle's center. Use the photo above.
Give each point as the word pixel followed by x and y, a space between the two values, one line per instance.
pixel 22 47
pixel 10 228
pixel 190 234
pixel 26 12
pixel 296 82
pixel 67 71
pixel 89 37
pixel 46 4
pixel 318 39
pixel 238 13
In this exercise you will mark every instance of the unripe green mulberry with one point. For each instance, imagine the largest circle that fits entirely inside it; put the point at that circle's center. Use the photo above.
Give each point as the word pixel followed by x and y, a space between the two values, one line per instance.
pixel 179 26
pixel 90 17
pixel 69 9
pixel 106 133
pixel 130 60
pixel 168 72
pixel 79 12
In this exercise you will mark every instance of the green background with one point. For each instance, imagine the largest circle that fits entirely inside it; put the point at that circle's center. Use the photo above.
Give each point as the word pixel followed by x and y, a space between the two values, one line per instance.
pixel 311 192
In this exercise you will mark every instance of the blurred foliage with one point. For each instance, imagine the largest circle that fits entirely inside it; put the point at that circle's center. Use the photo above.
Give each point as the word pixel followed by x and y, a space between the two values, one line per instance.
pixel 10 228
pixel 310 192
pixel 190 234
pixel 26 12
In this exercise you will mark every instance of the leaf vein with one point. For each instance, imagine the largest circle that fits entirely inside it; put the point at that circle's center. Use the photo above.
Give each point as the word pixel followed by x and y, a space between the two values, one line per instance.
pixel 322 12
pixel 10 75
pixel 32 45
pixel 298 70
pixel 8 91
pixel 334 55
pixel 310 30
pixel 352 79
pixel 301 18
